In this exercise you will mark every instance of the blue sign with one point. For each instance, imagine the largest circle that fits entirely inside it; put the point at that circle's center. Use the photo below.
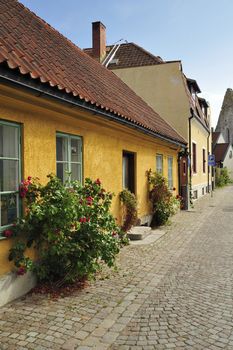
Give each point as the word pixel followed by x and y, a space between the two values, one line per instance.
pixel 211 160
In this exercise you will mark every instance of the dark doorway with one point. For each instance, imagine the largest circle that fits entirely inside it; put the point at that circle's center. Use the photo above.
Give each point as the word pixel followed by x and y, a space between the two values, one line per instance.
pixel 128 171
pixel 183 180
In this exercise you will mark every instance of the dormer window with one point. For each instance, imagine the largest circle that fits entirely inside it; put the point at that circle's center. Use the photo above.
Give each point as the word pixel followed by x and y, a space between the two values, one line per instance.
pixel 193 93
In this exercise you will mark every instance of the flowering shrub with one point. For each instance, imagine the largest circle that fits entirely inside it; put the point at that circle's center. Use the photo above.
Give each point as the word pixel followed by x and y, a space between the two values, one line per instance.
pixel 70 227
pixel 164 204
pixel 129 201
pixel 23 187
pixel 8 233
pixel 222 177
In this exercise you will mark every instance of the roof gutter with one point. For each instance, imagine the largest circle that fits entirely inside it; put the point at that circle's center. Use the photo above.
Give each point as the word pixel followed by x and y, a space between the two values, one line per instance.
pixel 26 83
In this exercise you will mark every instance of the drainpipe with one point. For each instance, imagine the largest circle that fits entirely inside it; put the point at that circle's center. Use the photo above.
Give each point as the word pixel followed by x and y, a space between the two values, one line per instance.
pixel 212 167
pixel 190 168
pixel 208 168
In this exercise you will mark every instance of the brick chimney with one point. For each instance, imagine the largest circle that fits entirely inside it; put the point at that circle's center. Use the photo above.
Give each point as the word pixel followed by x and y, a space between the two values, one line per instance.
pixel 98 41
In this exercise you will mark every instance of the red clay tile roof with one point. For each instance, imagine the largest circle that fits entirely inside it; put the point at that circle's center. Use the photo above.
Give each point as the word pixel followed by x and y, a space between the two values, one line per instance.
pixel 215 136
pixel 130 55
pixel 29 44
pixel 220 150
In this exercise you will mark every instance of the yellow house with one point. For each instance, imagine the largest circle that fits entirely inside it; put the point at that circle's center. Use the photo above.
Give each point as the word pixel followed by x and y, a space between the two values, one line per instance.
pixel 166 89
pixel 61 110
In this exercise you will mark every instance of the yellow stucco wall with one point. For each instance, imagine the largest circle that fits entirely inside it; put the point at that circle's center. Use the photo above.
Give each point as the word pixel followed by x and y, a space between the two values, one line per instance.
pixel 199 136
pixel 103 143
pixel 162 87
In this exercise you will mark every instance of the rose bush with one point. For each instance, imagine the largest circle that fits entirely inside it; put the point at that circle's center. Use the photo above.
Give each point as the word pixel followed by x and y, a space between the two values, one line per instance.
pixel 69 226
pixel 164 204
pixel 129 202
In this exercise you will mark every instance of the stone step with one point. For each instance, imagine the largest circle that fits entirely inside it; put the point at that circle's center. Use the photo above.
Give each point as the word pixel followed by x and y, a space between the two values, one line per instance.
pixel 139 232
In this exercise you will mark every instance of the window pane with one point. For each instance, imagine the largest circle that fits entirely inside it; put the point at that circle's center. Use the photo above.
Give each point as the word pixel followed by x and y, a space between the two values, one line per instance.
pixel 194 158
pixel 61 148
pixel 62 171
pixel 159 164
pixel 8 208
pixel 9 175
pixel 75 150
pixel 170 172
pixel 76 172
pixel 9 141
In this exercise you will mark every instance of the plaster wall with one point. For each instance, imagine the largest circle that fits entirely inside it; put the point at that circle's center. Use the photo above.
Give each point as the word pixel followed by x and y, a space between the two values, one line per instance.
pixel 103 144
pixel 221 139
pixel 228 161
pixel 199 136
pixel 162 87
pixel 225 121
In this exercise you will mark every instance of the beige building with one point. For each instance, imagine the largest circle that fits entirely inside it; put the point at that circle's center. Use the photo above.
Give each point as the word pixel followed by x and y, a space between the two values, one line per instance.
pixel 163 85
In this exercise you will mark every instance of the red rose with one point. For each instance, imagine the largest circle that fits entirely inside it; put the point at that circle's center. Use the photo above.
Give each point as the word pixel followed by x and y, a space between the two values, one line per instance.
pixel 89 200
pixel 98 182
pixel 114 234
pixel 83 219
pixel 8 233
pixel 21 271
pixel 29 178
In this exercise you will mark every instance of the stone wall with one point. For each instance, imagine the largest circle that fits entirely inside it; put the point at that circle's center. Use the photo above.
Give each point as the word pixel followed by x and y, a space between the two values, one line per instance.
pixel 225 120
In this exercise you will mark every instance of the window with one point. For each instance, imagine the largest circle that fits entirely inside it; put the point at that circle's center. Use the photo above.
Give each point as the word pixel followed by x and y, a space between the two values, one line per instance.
pixel 203 160
pixel 195 194
pixel 184 167
pixel 128 171
pixel 159 163
pixel 208 163
pixel 193 93
pixel 9 173
pixel 194 157
pixel 69 157
pixel 170 172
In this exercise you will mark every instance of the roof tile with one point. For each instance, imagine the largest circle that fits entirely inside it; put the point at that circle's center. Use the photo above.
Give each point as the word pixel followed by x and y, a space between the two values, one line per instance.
pixel 219 151
pixel 34 47
pixel 130 55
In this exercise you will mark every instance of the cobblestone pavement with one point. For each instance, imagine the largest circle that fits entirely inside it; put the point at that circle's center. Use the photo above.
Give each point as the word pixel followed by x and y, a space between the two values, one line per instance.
pixel 175 293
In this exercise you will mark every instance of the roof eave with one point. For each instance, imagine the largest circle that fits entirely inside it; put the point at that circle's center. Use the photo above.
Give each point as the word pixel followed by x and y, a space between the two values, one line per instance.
pixel 10 77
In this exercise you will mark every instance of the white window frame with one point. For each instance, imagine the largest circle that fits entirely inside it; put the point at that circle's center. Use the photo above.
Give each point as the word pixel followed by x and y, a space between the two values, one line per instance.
pixel 69 162
pixel 17 159
pixel 170 179
pixel 194 172
pixel 204 161
pixel 159 170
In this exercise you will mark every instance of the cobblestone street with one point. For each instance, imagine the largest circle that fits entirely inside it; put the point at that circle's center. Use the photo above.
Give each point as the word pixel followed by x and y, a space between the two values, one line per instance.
pixel 175 293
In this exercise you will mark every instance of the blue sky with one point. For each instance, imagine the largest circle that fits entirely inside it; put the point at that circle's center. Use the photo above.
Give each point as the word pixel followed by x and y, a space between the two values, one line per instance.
pixel 198 32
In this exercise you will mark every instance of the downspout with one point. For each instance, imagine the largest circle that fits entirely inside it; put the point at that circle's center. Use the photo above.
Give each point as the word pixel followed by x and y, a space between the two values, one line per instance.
pixel 190 167
pixel 208 168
